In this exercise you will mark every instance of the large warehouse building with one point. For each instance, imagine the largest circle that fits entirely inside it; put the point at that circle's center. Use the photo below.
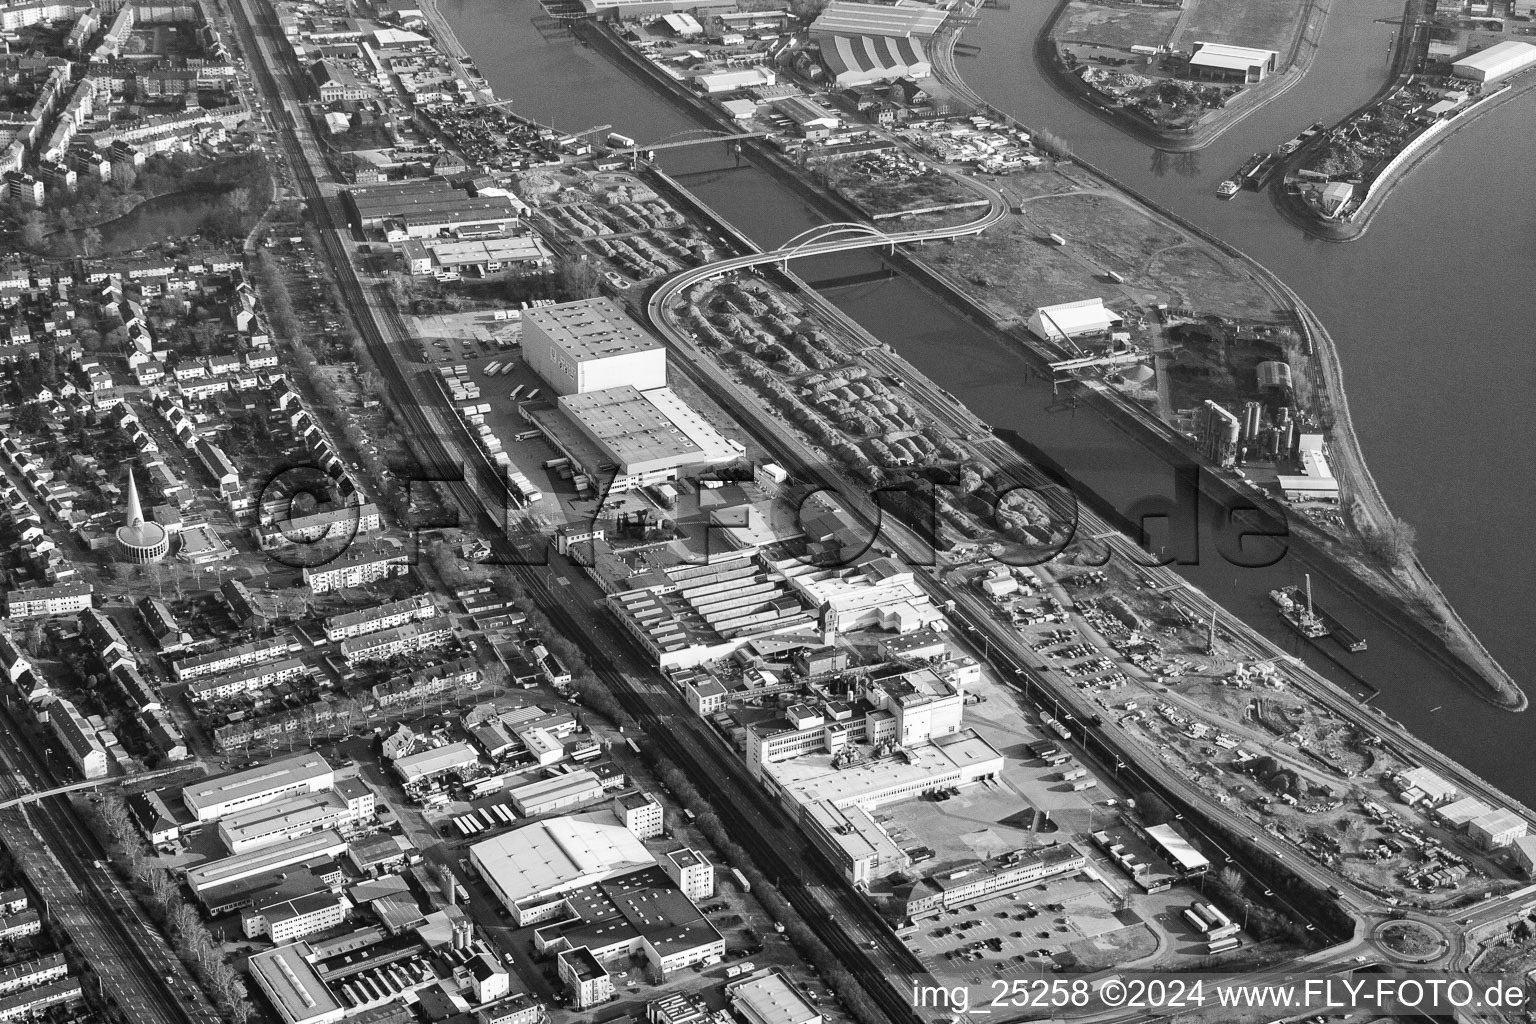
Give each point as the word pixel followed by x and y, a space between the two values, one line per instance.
pixel 295 775
pixel 875 42
pixel 635 438
pixel 429 207
pixel 1072 320
pixel 615 418
pixel 530 869
pixel 589 345
pixel 1496 63
pixel 1232 63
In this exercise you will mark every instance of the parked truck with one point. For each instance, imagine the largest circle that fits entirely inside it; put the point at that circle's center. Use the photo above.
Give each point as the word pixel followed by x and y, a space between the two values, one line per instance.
pixel 1082 784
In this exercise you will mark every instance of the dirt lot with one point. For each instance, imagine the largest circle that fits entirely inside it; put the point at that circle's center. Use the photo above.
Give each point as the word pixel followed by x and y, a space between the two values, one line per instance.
pixel 1265 24
pixel 1015 267
pixel 1120 27
pixel 885 196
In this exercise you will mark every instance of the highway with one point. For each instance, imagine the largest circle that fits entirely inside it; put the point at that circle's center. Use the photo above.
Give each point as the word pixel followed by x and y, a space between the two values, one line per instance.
pixel 827 239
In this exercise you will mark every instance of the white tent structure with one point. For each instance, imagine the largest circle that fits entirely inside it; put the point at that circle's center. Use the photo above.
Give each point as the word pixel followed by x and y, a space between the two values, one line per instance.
pixel 1070 320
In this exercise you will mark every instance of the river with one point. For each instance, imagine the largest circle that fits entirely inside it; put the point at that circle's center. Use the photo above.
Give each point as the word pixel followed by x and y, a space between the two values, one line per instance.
pixel 1428 309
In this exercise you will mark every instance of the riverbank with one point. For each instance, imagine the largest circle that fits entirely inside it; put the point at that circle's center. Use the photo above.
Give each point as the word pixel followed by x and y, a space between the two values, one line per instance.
pixel 1434 633
pixel 1304 47
pixel 1410 582
pixel 1305 217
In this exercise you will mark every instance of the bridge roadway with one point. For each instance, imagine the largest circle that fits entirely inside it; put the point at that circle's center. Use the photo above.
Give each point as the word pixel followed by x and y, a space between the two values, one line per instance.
pixel 1035 679
pixel 826 240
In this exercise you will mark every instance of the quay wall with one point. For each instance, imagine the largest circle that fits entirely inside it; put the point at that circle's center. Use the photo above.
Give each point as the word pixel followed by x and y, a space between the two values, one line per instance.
pixel 1490 683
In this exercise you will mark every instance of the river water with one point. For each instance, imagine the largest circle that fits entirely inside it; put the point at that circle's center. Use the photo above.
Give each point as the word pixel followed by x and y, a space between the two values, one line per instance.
pixel 1430 311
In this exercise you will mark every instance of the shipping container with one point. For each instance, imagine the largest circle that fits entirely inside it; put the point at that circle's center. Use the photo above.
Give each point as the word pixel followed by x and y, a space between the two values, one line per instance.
pixel 492 368
pixel 1211 914
pixel 531 395
pixel 1082 784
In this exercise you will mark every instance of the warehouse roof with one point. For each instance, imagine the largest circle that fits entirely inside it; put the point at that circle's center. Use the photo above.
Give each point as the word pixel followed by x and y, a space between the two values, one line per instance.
pixel 591 329
pixel 1233 58
pixel 855 19
pixel 290 982
pixel 1085 316
pixel 1500 57
pixel 438 759
pixel 770 999
pixel 560 854
pixel 637 428
pixel 220 789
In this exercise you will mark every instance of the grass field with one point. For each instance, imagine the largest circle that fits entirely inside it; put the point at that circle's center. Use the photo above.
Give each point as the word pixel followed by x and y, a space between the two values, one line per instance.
pixel 1265 24
pixel 1122 27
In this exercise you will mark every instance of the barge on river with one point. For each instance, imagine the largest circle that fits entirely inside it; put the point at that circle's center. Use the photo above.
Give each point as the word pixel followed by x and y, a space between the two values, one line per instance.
pixel 1303 615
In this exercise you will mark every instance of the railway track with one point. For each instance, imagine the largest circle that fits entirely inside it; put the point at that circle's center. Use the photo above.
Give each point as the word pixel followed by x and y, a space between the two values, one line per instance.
pixel 59 855
pixel 754 821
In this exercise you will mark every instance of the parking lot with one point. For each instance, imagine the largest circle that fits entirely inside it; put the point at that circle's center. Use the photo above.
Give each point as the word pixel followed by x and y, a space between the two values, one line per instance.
pixel 1070 923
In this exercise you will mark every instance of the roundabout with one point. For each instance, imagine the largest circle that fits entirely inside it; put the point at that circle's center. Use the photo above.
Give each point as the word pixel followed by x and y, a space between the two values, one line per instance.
pixel 1408 941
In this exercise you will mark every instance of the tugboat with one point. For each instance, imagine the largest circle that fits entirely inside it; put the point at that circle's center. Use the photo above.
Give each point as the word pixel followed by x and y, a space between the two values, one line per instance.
pixel 1227 189
pixel 1296 610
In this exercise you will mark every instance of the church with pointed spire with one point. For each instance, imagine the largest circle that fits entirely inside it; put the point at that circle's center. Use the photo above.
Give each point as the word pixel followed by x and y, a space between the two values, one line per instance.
pixel 140 541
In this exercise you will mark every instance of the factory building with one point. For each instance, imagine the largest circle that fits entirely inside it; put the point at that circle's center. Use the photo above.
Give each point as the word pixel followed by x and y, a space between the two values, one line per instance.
pixel 1496 63
pixel 219 795
pixel 547 795
pixel 767 997
pixel 628 438
pixel 638 913
pixel 590 345
pixel 1421 785
pixel 1220 431
pixel 429 208
pixel 1316 481
pixel 981 880
pixel 292 986
pixel 863 43
pixel 1068 320
pixel 1232 63
pixel 282 820
pixel 426 765
pixel 631 9
pixel 686 615
pixel 530 869
pixel 1496 828
pixel 478 257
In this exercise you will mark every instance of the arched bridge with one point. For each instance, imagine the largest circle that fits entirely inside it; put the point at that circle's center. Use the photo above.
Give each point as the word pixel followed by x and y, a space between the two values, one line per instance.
pixel 820 241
